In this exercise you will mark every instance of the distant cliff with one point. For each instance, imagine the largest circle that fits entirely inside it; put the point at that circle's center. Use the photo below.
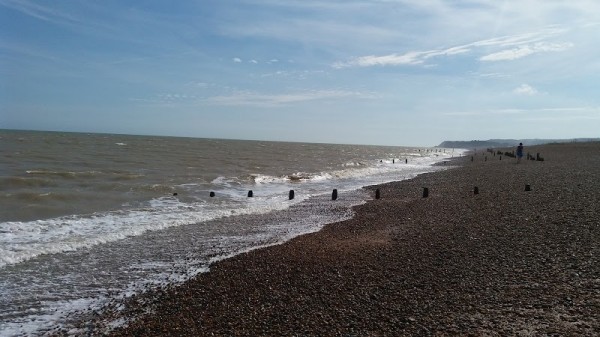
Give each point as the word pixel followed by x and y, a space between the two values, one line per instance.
pixel 498 143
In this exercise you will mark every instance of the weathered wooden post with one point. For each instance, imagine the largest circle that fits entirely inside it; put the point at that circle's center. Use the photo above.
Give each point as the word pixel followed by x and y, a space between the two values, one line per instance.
pixel 250 194
pixel 291 194
pixel 377 194
pixel 425 192
pixel 527 188
pixel 212 194
pixel 334 195
pixel 476 190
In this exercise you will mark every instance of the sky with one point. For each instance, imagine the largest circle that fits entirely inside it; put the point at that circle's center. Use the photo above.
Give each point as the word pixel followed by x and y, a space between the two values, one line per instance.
pixel 381 72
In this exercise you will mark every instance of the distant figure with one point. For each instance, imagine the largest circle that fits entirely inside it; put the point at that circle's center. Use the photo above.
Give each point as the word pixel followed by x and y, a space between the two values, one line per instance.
pixel 519 152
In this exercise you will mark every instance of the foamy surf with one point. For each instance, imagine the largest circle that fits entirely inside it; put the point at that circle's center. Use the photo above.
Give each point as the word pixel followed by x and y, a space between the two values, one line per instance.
pixel 25 240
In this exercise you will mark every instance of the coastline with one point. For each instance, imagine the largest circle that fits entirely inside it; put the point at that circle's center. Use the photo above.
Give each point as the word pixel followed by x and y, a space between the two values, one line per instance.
pixel 503 262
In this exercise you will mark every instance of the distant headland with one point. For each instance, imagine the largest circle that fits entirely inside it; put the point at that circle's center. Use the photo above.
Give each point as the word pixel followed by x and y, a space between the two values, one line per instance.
pixel 497 143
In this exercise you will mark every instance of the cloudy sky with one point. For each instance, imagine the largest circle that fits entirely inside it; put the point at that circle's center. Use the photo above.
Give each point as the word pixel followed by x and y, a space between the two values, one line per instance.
pixel 393 72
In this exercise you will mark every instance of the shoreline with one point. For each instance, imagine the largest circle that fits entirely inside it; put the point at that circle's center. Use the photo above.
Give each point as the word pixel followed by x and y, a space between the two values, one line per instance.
pixel 504 261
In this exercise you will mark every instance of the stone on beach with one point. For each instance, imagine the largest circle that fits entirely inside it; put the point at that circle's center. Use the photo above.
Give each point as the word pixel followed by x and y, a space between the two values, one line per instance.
pixel 507 262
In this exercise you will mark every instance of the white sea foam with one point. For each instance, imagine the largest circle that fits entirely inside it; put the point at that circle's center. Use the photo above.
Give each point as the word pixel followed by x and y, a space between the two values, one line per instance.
pixel 25 240
pixel 262 179
pixel 44 319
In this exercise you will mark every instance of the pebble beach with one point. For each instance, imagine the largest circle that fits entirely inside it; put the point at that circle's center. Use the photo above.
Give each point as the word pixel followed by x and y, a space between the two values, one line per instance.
pixel 505 261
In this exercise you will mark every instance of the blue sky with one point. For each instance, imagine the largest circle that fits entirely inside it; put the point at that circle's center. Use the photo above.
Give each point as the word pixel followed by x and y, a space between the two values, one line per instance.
pixel 391 72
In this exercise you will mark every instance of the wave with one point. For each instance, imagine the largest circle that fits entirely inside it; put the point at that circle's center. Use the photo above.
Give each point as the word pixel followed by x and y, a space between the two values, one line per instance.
pixel 64 174
pixel 115 175
pixel 348 170
pixel 7 183
pixel 354 164
pixel 29 197
pixel 124 176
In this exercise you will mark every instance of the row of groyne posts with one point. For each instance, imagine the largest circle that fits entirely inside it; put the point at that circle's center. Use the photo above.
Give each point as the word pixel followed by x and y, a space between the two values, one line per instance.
pixel 291 194
pixel 334 194
pixel 510 154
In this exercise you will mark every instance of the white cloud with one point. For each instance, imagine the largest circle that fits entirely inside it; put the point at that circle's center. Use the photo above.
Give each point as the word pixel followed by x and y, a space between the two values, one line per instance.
pixel 489 75
pixel 237 60
pixel 522 51
pixel 253 61
pixel 166 99
pixel 200 84
pixel 454 51
pixel 40 11
pixel 264 100
pixel 523 38
pixel 525 44
pixel 410 58
pixel 295 74
pixel 526 89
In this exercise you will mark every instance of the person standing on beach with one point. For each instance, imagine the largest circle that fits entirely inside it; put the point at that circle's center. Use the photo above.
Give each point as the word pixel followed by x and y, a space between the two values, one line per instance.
pixel 519 152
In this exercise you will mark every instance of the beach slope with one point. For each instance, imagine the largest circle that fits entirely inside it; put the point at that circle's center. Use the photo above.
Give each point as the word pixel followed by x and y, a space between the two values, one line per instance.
pixel 502 262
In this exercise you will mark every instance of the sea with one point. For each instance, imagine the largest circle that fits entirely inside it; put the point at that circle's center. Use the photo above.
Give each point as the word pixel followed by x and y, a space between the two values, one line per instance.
pixel 88 218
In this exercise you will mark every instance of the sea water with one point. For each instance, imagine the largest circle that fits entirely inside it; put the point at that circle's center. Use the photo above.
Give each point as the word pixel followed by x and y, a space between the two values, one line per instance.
pixel 86 218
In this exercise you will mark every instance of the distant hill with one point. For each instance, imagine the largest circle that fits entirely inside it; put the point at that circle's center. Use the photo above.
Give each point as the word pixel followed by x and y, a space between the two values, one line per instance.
pixel 496 143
